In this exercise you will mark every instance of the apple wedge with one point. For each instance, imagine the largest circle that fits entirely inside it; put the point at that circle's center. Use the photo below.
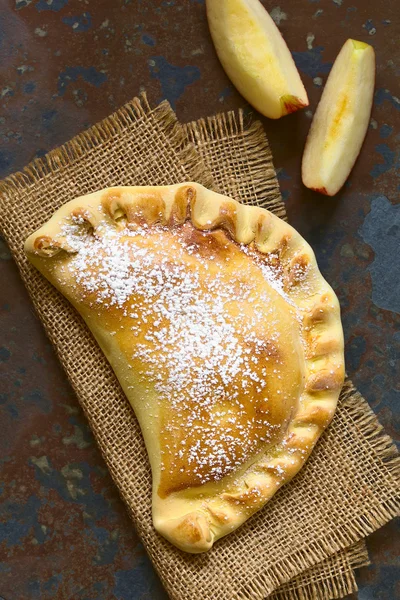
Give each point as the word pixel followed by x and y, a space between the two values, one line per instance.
pixel 341 120
pixel 255 56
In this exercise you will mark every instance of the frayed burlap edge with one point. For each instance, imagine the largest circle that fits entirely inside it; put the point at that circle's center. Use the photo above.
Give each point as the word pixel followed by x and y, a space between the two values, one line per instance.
pixel 367 422
pixel 64 156
pixel 264 183
pixel 332 578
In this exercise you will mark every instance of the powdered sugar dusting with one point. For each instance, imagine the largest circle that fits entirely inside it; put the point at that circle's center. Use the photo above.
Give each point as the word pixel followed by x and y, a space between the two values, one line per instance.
pixel 209 344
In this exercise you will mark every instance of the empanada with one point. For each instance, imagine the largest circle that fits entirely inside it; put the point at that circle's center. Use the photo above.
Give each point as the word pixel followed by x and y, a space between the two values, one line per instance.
pixel 222 332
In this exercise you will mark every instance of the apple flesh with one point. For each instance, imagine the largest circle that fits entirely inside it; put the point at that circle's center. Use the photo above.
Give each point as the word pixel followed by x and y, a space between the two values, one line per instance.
pixel 341 120
pixel 255 56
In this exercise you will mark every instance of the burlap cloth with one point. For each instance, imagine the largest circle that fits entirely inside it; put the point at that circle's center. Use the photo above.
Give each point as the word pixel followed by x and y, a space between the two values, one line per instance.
pixel 300 541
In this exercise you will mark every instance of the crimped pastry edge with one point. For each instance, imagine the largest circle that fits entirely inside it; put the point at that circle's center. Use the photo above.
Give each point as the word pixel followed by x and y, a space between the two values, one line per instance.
pixel 197 530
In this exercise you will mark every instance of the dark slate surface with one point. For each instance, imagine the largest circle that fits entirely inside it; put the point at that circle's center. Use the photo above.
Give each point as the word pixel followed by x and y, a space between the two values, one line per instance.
pixel 65 64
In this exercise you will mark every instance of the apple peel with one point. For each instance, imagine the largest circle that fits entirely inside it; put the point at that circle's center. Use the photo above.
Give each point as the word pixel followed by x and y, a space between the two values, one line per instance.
pixel 255 56
pixel 341 120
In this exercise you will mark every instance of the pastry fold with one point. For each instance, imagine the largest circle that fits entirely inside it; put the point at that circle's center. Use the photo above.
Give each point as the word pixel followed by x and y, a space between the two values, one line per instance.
pixel 222 332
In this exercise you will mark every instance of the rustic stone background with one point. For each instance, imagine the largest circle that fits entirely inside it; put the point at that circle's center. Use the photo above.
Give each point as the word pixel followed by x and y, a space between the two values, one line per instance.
pixel 65 64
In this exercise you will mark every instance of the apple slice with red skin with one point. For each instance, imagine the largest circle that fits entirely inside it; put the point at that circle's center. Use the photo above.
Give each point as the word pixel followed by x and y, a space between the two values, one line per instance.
pixel 341 120
pixel 255 56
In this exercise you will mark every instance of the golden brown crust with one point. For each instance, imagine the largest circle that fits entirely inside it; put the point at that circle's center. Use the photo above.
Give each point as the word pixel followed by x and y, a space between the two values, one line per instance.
pixel 194 523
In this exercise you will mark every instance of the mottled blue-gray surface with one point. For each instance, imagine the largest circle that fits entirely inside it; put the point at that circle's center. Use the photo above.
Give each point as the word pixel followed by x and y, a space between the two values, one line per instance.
pixel 65 64
pixel 381 230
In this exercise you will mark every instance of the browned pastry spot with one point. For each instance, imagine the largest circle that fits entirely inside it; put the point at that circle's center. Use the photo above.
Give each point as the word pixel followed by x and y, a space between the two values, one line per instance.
pixel 298 269
pixel 193 530
pixel 228 217
pixel 320 344
pixel 324 381
pixel 320 313
pixel 219 516
pixel 283 245
pixel 210 245
pixel 83 217
pixel 264 228
pixel 149 208
pixel 184 199
pixel 111 203
pixel 317 414
pixel 46 246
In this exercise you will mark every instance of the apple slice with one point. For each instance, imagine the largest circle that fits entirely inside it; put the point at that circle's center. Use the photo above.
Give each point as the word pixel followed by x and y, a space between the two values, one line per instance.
pixel 341 120
pixel 255 56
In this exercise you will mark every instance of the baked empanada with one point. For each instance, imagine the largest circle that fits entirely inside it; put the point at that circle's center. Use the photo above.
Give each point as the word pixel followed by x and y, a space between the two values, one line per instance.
pixel 222 332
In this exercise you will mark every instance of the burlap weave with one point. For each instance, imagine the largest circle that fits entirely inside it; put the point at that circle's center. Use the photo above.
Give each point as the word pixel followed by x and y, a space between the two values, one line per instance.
pixel 331 578
pixel 349 487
